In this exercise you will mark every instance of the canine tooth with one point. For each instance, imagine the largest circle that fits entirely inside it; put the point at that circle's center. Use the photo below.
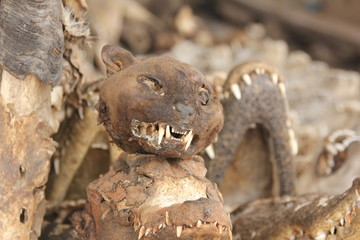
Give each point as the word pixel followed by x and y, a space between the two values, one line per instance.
pixel 167 218
pixel 274 78
pixel 342 221
pixel 235 89
pixel 161 134
pixel 147 231
pixel 188 139
pixel 141 232
pixel 167 132
pixel 160 226
pixel 230 234
pixel 198 223
pixel 246 78
pixel 178 231
pixel 210 151
pixel 282 89
pixel 332 230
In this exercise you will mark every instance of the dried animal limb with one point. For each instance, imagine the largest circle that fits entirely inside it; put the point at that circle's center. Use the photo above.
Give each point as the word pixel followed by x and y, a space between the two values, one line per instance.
pixel 308 217
pixel 83 132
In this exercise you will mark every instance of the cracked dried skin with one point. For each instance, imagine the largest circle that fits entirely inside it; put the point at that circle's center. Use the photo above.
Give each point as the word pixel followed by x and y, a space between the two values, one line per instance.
pixel 255 94
pixel 306 217
pixel 157 105
pixel 149 197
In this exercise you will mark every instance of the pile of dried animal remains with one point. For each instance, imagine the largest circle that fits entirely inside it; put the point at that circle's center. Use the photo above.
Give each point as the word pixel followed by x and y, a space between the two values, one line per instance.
pixel 268 127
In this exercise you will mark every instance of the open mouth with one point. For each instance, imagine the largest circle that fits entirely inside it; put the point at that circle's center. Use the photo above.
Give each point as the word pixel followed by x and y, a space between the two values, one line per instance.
pixel 159 133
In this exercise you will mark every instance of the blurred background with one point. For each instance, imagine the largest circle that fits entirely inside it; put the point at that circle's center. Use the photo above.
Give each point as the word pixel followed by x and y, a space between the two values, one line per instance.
pixel 314 43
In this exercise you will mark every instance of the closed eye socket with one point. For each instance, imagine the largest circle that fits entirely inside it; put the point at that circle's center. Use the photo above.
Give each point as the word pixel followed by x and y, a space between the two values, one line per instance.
pixel 152 83
pixel 203 94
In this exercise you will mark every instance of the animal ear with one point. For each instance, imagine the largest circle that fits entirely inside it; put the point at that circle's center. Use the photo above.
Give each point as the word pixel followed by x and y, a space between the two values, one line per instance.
pixel 116 58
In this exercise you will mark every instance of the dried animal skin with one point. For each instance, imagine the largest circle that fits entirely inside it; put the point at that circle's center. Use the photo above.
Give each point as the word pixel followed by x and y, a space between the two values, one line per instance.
pixel 157 105
pixel 254 94
pixel 305 217
pixel 167 109
pixel 149 197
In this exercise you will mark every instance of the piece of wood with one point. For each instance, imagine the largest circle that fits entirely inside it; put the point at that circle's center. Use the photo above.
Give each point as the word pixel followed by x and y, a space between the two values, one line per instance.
pixel 25 151
pixel 328 28
pixel 31 39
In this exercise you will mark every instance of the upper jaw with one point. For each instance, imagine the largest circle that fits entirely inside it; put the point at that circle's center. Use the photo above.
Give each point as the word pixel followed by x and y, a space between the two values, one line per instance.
pixel 159 134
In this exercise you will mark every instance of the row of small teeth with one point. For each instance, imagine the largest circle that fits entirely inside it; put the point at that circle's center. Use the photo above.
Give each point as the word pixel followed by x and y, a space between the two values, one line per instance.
pixel 146 231
pixel 339 140
pixel 235 88
pixel 335 148
pixel 187 138
pixel 322 235
pixel 166 132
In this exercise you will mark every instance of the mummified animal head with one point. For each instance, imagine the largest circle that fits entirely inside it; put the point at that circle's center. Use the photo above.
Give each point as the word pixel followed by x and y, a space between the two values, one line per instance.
pixel 157 105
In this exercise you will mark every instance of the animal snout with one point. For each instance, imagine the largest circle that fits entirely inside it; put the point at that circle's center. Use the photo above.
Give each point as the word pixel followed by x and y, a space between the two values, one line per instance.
pixel 185 111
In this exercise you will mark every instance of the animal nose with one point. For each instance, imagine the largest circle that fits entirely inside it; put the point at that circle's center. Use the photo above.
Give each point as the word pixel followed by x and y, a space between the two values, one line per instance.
pixel 184 110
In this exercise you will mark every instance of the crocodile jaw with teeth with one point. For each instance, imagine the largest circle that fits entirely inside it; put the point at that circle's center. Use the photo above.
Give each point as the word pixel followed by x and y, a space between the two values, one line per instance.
pixel 159 134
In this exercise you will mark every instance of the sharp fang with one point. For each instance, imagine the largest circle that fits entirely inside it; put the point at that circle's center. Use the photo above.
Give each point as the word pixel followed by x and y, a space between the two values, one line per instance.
pixel 147 231
pixel 332 230
pixel 282 89
pixel 274 78
pixel 161 134
pixel 141 232
pixel 178 231
pixel 246 78
pixel 230 234
pixel 235 89
pixel 160 226
pixel 198 223
pixel 167 134
pixel 167 218
pixel 342 222
pixel 188 139
pixel 210 151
